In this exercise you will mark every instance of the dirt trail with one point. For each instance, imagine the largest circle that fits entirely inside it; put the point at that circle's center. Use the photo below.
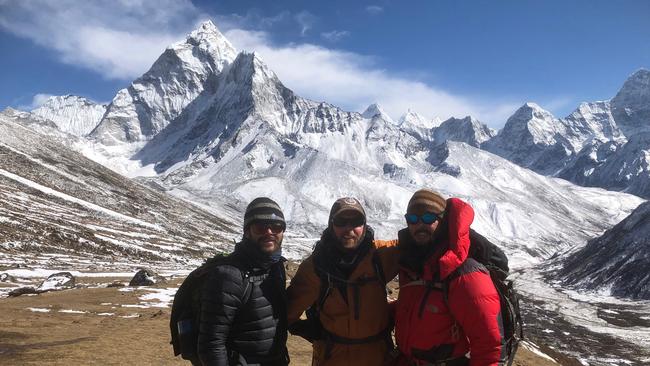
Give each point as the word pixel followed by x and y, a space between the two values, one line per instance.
pixel 104 326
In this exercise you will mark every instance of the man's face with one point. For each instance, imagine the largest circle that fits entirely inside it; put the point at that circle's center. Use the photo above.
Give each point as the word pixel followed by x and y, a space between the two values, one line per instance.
pixel 348 229
pixel 422 226
pixel 267 235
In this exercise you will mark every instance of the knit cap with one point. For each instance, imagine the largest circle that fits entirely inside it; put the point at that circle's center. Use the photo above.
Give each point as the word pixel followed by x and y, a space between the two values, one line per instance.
pixel 426 200
pixel 263 209
pixel 344 204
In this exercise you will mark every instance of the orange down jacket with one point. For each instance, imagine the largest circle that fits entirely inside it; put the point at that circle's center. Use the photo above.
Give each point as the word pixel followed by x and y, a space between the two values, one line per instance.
pixel 338 314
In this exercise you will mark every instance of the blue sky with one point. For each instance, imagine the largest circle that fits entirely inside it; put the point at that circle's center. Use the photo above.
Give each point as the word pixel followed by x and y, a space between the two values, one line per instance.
pixel 438 58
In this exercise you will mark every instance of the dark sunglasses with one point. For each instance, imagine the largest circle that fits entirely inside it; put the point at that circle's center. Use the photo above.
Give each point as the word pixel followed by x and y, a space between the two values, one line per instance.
pixel 428 218
pixel 348 222
pixel 263 227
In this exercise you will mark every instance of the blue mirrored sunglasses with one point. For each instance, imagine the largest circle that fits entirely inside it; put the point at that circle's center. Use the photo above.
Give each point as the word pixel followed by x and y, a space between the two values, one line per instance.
pixel 428 218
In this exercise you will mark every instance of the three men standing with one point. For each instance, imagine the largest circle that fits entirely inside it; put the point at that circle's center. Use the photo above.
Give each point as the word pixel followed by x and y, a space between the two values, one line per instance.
pixel 447 309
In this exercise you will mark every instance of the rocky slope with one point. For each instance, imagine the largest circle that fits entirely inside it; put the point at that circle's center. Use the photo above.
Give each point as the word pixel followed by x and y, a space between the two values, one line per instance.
pixel 615 263
pixel 56 205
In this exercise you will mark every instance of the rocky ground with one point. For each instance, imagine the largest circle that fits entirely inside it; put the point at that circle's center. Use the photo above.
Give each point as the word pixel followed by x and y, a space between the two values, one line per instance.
pixel 96 324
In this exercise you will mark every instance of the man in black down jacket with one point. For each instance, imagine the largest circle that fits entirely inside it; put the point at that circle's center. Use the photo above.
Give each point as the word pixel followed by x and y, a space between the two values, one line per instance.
pixel 240 326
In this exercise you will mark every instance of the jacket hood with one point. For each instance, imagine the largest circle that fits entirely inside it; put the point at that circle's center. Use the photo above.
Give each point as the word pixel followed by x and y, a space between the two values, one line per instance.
pixel 451 247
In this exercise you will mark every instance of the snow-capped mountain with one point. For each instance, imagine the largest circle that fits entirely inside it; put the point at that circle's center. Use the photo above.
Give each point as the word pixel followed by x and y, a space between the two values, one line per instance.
pixel 245 134
pixel 175 80
pixel 533 138
pixel 631 105
pixel 72 114
pixel 468 130
pixel 418 126
pixel 375 111
pixel 588 146
pixel 55 203
pixel 617 262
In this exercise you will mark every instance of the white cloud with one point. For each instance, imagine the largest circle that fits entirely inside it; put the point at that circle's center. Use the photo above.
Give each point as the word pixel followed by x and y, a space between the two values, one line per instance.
pixel 118 39
pixel 306 21
pixel 374 9
pixel 121 39
pixel 353 81
pixel 335 35
pixel 37 101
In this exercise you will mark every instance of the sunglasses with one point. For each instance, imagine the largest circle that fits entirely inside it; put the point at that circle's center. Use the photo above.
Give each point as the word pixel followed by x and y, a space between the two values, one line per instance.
pixel 348 222
pixel 262 227
pixel 427 219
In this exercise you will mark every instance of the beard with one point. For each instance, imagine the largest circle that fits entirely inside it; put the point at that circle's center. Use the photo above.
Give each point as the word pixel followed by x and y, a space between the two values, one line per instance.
pixel 269 243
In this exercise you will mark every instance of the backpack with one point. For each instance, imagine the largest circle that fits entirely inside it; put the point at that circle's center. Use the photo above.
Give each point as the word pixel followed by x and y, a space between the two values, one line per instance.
pixel 496 262
pixel 186 308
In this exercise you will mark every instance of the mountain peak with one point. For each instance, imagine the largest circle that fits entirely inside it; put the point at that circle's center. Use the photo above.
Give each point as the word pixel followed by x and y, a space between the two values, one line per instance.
pixel 532 106
pixel 206 27
pixel 208 31
pixel 175 80
pixel 530 111
pixel 417 120
pixel 71 113
pixel 468 130
pixel 207 38
pixel 640 74
pixel 375 110
pixel 631 105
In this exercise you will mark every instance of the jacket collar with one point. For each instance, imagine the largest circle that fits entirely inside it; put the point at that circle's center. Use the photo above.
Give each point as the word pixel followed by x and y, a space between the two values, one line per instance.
pixel 450 247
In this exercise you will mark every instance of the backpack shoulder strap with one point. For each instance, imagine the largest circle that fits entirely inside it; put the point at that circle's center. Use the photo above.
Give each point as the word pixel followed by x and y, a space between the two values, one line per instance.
pixel 251 278
pixel 470 265
pixel 325 286
pixel 379 268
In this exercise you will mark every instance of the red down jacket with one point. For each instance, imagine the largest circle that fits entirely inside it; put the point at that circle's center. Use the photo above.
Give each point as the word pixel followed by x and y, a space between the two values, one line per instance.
pixel 429 329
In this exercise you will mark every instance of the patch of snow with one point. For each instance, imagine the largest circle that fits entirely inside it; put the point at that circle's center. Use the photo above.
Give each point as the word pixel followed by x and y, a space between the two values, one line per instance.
pixel 39 310
pixel 67 311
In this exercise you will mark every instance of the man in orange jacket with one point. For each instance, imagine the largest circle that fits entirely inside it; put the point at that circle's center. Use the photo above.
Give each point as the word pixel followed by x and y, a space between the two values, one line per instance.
pixel 343 285
pixel 447 306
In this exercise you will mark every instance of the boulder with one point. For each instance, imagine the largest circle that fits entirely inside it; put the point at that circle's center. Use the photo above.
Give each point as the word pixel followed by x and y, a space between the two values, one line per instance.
pixel 56 282
pixel 22 291
pixel 5 277
pixel 145 277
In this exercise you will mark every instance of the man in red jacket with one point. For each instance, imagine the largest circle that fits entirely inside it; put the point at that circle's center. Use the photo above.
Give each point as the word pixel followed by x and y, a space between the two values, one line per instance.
pixel 448 310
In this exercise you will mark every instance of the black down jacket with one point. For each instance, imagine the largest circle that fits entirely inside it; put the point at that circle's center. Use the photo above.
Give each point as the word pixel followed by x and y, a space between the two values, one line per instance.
pixel 235 333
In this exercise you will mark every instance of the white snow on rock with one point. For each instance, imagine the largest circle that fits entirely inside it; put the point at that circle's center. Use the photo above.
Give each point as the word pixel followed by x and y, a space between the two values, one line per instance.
pixel 72 114
pixel 174 81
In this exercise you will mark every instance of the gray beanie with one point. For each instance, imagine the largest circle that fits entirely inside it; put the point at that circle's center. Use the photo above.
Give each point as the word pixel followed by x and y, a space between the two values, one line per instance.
pixel 263 209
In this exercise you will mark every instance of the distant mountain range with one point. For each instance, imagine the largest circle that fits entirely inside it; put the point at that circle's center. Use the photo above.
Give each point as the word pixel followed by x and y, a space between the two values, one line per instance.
pixel 217 127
